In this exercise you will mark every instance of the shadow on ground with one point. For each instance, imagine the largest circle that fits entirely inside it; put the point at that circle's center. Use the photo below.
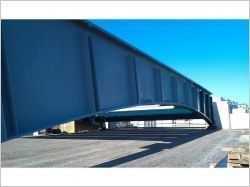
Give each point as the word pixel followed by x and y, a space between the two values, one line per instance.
pixel 169 138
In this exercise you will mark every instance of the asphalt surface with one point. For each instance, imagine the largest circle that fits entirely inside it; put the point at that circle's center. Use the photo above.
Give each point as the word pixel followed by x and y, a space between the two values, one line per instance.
pixel 147 147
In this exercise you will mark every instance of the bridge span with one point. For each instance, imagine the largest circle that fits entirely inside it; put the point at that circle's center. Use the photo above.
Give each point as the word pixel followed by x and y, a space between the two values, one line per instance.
pixel 55 71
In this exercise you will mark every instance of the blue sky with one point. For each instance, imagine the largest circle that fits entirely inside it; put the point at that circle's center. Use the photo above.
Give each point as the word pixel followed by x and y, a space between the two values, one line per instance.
pixel 213 53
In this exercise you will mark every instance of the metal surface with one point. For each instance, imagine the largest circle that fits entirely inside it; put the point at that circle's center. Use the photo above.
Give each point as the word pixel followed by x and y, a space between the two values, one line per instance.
pixel 54 71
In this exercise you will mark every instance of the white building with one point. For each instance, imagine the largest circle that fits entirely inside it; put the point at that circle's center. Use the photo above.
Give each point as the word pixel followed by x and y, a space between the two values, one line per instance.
pixel 229 114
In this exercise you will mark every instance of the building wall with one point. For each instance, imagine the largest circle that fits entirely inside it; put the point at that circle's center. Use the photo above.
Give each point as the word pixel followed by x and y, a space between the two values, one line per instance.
pixel 84 126
pixel 164 123
pixel 229 115
pixel 239 120
pixel 77 126
pixel 221 114
pixel 68 127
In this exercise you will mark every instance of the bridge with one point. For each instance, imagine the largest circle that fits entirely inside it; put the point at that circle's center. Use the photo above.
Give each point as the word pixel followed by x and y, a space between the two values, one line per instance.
pixel 55 71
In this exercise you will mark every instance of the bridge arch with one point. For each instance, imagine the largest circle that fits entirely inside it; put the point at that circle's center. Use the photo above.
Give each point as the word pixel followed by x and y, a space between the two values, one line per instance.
pixel 153 111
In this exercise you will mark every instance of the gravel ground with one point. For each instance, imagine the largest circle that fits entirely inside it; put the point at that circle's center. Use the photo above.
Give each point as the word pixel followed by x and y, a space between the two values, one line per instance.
pixel 146 147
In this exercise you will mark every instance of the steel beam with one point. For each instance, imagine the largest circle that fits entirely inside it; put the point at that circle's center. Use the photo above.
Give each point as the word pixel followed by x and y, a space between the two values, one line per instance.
pixel 55 71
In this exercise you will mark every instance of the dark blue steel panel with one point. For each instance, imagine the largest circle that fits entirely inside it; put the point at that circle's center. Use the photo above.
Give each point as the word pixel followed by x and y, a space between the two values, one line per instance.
pixel 3 125
pixel 174 89
pixel 158 87
pixel 190 98
pixel 211 109
pixel 180 91
pixel 46 70
pixel 133 82
pixel 167 92
pixel 113 72
pixel 146 81
pixel 201 101
pixel 207 110
pixel 186 91
pixel 194 95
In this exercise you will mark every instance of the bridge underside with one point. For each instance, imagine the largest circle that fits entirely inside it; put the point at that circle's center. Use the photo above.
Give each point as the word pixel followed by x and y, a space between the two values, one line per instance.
pixel 55 71
pixel 135 114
